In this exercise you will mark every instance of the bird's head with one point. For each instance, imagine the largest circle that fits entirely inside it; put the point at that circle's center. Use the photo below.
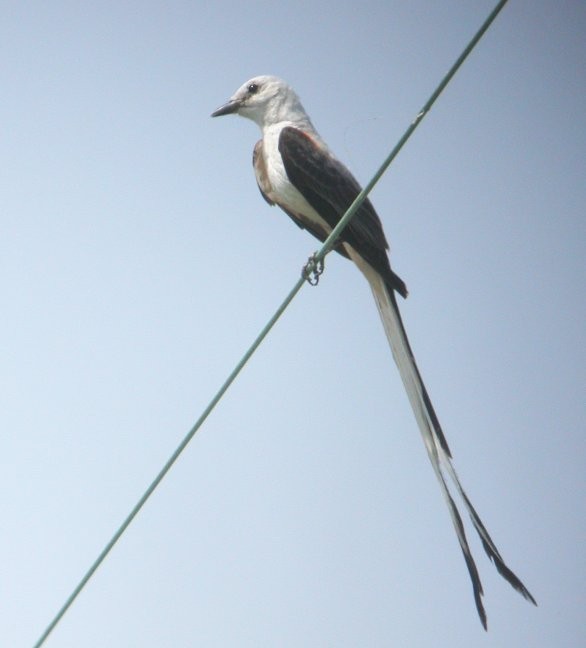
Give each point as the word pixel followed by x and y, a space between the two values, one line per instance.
pixel 267 100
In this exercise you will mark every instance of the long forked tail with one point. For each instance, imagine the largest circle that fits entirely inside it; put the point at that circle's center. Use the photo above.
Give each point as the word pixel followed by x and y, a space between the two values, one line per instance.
pixel 434 439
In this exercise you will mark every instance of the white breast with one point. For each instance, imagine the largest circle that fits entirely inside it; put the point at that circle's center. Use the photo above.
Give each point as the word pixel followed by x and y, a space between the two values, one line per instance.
pixel 283 192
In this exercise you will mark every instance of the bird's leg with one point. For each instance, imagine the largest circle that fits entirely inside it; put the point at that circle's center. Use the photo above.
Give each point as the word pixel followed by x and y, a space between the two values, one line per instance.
pixel 312 270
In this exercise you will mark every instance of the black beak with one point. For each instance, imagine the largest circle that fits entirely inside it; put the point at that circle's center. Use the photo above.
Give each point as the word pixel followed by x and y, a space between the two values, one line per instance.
pixel 227 109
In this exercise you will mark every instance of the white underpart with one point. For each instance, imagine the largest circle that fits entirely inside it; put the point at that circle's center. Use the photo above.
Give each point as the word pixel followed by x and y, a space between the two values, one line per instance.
pixel 282 189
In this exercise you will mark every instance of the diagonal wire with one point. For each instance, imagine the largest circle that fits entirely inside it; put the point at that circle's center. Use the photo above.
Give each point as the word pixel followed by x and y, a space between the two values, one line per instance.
pixel 312 267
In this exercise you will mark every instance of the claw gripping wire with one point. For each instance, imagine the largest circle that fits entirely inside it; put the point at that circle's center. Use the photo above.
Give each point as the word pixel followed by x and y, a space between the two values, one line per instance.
pixel 313 269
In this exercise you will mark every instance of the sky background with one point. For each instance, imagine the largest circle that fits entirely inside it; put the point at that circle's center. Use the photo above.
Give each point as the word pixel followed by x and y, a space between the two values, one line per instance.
pixel 138 262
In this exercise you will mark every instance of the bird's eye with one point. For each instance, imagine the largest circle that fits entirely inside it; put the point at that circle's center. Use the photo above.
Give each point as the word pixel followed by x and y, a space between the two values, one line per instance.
pixel 253 88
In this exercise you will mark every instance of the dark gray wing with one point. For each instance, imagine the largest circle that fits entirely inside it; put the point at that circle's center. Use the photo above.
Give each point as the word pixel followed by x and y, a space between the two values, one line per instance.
pixel 264 186
pixel 330 189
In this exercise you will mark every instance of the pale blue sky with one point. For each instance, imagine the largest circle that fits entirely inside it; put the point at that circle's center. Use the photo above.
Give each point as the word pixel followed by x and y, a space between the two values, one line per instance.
pixel 138 261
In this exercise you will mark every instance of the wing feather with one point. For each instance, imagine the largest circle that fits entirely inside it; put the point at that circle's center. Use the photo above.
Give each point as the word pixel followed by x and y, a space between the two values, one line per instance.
pixel 330 189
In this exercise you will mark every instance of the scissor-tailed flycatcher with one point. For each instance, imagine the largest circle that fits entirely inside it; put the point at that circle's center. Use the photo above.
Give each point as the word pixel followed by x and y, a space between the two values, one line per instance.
pixel 296 171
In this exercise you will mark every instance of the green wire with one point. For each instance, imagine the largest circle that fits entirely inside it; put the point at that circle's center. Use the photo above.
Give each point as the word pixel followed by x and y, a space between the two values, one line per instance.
pixel 312 266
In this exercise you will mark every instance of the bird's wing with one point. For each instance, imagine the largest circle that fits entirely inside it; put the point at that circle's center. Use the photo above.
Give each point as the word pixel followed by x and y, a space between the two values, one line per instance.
pixel 264 185
pixel 330 189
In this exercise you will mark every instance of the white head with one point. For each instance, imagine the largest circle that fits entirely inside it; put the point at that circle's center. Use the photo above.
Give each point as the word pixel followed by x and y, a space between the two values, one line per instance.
pixel 267 100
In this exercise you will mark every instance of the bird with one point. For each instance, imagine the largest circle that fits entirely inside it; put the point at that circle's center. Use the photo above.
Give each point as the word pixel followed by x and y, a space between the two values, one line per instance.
pixel 296 170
